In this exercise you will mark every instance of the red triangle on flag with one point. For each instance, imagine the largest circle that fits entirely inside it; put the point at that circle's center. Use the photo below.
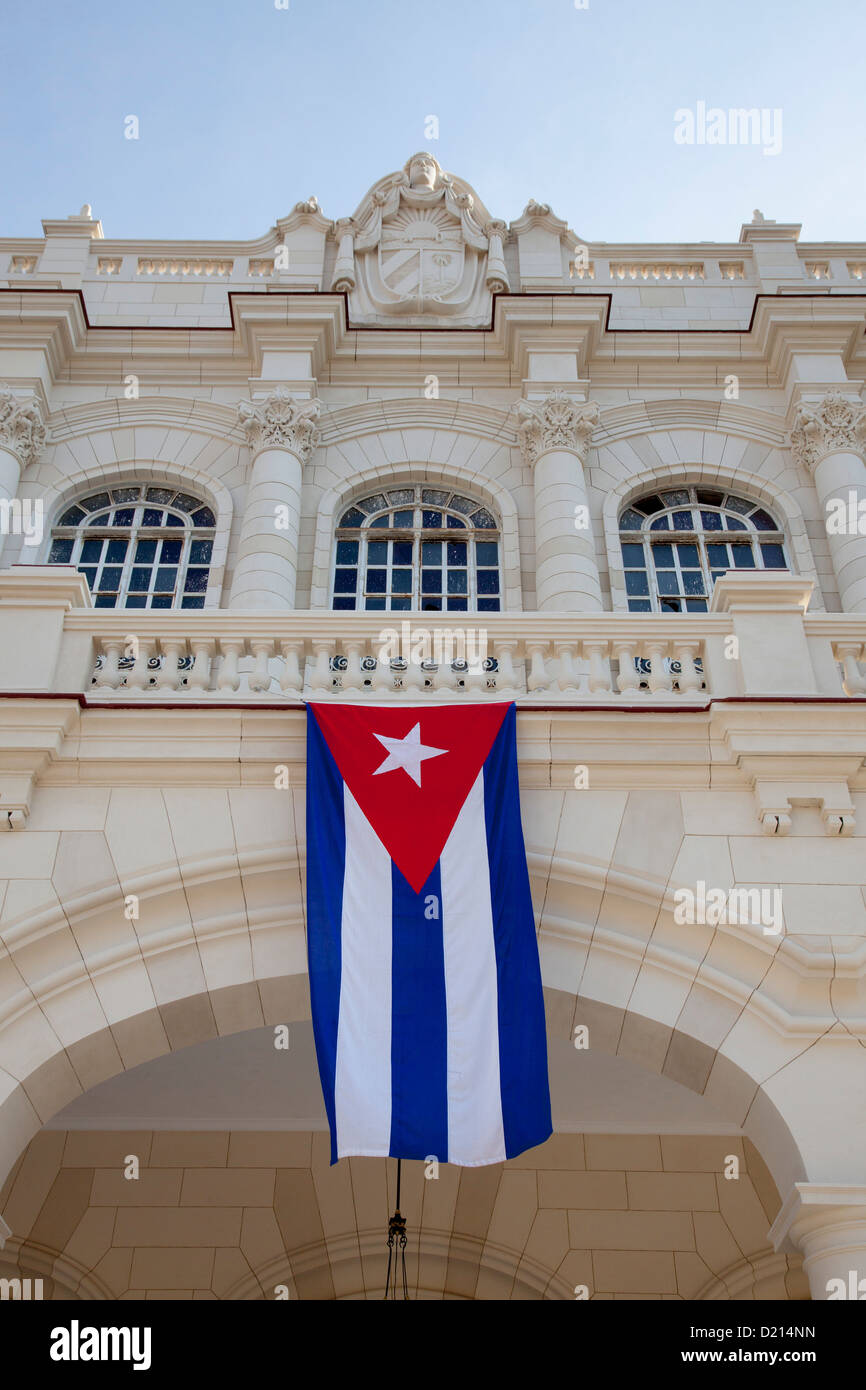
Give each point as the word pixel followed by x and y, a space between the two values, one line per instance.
pixel 410 770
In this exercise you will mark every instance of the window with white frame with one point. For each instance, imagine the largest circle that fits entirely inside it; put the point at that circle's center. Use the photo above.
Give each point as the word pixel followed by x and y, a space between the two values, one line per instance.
pixel 417 548
pixel 676 543
pixel 138 546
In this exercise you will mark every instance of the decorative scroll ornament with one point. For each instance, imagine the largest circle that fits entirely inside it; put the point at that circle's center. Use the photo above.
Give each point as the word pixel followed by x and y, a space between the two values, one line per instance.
pixel 834 425
pixel 21 429
pixel 558 422
pixel 281 421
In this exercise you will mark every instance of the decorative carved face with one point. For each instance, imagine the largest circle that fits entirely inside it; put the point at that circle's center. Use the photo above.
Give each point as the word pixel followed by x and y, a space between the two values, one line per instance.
pixel 422 172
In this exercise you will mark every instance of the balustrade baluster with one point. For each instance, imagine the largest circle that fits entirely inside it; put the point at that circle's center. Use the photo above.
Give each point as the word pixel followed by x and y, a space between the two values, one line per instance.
pixel 689 677
pixel 108 675
pixel 291 678
pixel 596 653
pixel 260 677
pixel 537 678
pixel 628 680
pixel 229 676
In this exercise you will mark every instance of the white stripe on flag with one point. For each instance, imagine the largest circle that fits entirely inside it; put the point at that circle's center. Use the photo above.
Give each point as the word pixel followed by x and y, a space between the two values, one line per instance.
pixel 475 1131
pixel 362 1088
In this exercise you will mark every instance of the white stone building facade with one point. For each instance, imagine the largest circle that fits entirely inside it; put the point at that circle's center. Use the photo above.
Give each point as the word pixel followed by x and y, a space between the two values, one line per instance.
pixel 420 454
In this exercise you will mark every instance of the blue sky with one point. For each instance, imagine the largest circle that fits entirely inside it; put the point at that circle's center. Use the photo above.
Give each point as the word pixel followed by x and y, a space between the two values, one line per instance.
pixel 245 108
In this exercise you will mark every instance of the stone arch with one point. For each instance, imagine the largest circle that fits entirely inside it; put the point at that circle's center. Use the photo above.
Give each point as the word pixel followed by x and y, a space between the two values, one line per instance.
pixel 779 501
pixel 403 468
pixel 82 1002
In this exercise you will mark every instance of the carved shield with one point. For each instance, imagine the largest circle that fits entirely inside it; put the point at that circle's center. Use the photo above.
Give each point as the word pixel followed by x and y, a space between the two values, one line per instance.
pixel 421 255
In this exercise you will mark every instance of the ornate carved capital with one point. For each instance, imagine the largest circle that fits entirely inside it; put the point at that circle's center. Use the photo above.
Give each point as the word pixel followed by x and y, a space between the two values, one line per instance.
pixel 834 425
pixel 281 421
pixel 558 422
pixel 21 429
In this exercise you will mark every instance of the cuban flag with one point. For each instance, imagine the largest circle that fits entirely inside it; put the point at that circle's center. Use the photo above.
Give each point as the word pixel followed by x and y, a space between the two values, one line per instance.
pixel 424 976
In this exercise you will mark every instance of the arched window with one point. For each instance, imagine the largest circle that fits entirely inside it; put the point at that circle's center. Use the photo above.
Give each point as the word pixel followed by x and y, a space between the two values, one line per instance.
pixel 138 546
pixel 416 548
pixel 675 544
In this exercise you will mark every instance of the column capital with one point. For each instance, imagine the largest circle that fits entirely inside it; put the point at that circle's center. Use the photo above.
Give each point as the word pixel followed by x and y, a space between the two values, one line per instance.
pixel 557 422
pixel 281 421
pixel 835 424
pixel 22 430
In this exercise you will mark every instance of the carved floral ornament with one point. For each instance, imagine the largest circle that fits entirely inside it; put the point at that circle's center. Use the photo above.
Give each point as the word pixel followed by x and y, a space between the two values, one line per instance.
pixel 281 421
pixel 21 429
pixel 558 422
pixel 835 425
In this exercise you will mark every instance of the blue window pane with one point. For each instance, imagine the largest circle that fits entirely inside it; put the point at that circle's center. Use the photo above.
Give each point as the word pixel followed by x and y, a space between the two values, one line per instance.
pixel 693 582
pixel 145 552
pixel 401 605
pixel 110 579
pixel 763 521
pixel 375 605
pixel 352 518
pixel 430 519
pixel 639 605
pixel 124 516
pixel 773 556
pixel 631 521
pixel 116 552
pixel 457 582
pixel 636 582
pixel 718 556
pixel 375 583
pixel 696 605
pixel 661 523
pixel 488 581
pixel 632 557
pixel 89 575
pixel 401 581
pixel 152 517
pixel 192 601
pixel 347 552
pixel 683 521
pixel 61 552
pixel 159 494
pixel 139 581
pixel 432 605
pixel 135 601
pixel 667 582
pixel 382 521
pixel 165 581
pixel 670 605
pixel 488 605
pixel 377 553
pixel 743 557
pixel 97 500
pixel 72 517
pixel 712 521
pixel 688 556
pixel 204 517
pixel 458 605
pixel 200 551
pixel 161 601
pixel 663 556
pixel 732 524
pixel 186 503
pixel 404 518
pixel 105 601
pixel 456 523
pixel 483 520
pixel 487 552
pixel 431 553
pixel 91 551
pixel 172 520
pixel 431 581
pixel 401 553
pixel 171 552
pixel 345 581
pixel 196 582
pixel 343 604
pixel 457 552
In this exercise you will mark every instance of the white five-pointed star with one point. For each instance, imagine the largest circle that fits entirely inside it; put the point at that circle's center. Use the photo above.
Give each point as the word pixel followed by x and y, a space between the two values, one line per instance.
pixel 408 753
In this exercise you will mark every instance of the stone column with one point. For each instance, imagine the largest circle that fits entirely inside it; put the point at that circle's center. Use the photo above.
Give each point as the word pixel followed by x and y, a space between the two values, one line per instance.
pixel 555 434
pixel 22 435
pixel 282 432
pixel 829 439
pixel 826 1224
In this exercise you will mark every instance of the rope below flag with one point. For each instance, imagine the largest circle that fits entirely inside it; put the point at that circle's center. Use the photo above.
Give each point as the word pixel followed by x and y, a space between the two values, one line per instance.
pixel 424 976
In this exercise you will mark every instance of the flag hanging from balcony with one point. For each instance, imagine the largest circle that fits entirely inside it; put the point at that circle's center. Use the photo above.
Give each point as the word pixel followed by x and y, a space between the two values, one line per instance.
pixel 424 974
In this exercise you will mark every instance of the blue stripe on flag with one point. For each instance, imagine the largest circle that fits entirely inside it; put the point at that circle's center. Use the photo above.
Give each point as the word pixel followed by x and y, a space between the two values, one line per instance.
pixel 419 1054
pixel 522 1036
pixel 326 861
